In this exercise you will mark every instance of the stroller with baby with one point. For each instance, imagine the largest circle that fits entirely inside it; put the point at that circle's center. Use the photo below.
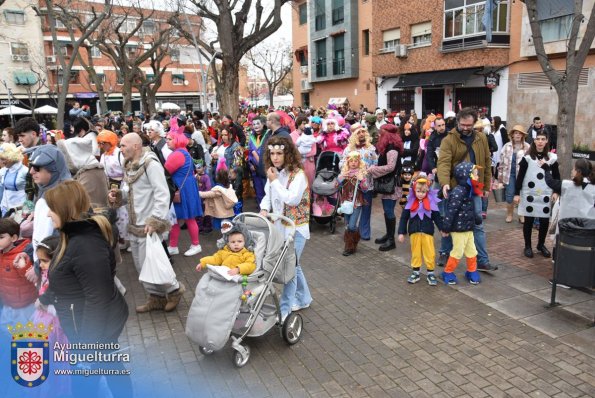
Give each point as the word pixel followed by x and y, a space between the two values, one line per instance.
pixel 325 189
pixel 244 306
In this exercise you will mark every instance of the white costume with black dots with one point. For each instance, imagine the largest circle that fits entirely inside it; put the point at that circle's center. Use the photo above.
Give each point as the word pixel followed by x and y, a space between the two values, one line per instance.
pixel 535 194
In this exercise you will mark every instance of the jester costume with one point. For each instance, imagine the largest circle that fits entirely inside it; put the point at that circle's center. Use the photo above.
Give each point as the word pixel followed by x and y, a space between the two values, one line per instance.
pixel 418 219
pixel 460 220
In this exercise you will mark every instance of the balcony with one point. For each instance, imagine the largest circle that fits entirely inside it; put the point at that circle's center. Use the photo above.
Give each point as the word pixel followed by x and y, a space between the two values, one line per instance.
pixel 321 67
pixel 474 42
pixel 339 66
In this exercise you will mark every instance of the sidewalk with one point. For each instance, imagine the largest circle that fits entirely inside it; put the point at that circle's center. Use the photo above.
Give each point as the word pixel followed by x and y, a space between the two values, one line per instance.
pixel 369 333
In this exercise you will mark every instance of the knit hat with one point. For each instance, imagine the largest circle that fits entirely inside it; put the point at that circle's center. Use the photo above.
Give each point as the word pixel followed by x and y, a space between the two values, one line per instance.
pixel 50 158
pixel 228 228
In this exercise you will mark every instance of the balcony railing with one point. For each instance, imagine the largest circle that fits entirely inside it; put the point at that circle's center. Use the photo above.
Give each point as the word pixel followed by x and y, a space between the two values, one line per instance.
pixel 338 15
pixel 339 66
pixel 321 67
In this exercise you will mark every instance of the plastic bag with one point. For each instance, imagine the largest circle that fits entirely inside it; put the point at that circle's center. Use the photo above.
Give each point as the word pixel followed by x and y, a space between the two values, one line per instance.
pixel 156 269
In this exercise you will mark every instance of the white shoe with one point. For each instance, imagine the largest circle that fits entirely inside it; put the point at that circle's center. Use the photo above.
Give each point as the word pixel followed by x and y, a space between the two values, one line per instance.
pixel 129 249
pixel 297 307
pixel 194 250
pixel 173 250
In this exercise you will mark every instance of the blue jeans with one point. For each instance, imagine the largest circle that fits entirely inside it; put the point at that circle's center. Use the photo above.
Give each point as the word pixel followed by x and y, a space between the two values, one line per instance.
pixel 388 205
pixel 478 233
pixel 364 221
pixel 296 291
pixel 484 204
pixel 351 219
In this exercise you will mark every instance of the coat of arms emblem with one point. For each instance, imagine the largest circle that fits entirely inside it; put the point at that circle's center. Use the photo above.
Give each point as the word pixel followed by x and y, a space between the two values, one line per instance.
pixel 30 353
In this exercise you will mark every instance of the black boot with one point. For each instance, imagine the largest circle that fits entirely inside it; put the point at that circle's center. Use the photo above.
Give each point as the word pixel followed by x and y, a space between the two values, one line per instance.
pixel 383 239
pixel 390 242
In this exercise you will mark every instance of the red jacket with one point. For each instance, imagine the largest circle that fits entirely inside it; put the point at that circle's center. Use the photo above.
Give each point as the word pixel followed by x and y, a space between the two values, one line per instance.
pixel 15 290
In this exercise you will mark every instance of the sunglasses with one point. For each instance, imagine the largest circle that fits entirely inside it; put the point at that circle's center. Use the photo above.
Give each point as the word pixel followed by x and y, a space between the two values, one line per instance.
pixel 36 168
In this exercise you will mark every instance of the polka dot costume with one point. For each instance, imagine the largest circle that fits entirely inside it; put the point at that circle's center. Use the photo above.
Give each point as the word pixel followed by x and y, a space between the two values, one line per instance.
pixel 535 194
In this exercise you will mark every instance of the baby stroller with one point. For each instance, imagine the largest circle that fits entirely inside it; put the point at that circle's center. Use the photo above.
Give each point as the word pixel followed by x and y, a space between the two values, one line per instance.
pixel 325 189
pixel 246 306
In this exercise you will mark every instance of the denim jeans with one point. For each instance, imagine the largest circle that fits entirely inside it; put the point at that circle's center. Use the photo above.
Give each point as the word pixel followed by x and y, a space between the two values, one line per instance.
pixel 364 221
pixel 445 242
pixel 388 205
pixel 296 291
pixel 351 219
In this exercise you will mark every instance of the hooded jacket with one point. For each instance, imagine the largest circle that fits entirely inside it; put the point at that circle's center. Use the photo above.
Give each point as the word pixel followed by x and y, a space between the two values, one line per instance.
pixel 460 215
pixel 15 290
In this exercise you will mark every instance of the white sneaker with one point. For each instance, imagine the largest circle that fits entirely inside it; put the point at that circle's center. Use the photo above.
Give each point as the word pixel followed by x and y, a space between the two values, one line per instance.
pixel 173 250
pixel 194 250
pixel 129 249
pixel 297 307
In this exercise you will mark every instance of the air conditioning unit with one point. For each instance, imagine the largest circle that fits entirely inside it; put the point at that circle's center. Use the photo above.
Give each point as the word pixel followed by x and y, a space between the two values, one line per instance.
pixel 304 69
pixel 25 58
pixel 50 59
pixel 306 85
pixel 401 51
pixel 16 57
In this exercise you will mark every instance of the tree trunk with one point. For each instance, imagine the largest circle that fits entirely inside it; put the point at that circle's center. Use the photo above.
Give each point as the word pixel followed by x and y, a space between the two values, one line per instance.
pixel 62 104
pixel 127 96
pixel 152 100
pixel 143 99
pixel 567 99
pixel 229 88
pixel 271 95
pixel 102 100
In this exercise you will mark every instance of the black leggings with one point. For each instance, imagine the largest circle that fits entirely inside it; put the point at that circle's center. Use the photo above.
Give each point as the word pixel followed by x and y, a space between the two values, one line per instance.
pixel 544 224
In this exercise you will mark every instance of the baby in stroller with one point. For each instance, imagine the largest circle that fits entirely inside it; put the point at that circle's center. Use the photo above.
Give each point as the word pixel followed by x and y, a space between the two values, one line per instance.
pixel 235 255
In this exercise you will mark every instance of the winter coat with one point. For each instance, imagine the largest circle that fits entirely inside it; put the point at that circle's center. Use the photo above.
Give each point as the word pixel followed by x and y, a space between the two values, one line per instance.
pixel 219 201
pixel 416 224
pixel 505 166
pixel 245 260
pixel 15 290
pixel 460 215
pixel 81 286
pixel 453 151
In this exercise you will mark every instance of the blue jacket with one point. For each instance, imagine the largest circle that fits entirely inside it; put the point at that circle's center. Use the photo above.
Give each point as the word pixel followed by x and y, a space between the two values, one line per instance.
pixel 416 224
pixel 460 215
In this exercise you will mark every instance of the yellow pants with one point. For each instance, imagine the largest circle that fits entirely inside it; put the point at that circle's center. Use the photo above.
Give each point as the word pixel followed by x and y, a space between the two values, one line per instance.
pixel 462 244
pixel 422 245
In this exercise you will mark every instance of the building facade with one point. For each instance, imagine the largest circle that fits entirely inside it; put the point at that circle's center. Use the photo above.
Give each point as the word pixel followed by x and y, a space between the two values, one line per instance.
pixel 331 43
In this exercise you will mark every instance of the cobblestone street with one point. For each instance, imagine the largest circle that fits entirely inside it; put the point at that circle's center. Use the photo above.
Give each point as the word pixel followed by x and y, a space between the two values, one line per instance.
pixel 369 333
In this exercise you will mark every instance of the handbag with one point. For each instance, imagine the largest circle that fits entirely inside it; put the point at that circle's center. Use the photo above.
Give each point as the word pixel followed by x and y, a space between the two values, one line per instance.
pixel 385 184
pixel 156 269
pixel 177 198
pixel 348 206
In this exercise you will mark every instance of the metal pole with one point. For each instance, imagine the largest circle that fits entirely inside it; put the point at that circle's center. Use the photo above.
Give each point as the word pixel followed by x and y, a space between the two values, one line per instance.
pixel 9 102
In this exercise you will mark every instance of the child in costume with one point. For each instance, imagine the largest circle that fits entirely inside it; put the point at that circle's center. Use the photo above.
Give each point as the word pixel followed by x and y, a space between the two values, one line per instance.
pixel 205 223
pixel 405 182
pixel 460 220
pixel 221 199
pixel 418 218
pixel 237 254
pixel 353 174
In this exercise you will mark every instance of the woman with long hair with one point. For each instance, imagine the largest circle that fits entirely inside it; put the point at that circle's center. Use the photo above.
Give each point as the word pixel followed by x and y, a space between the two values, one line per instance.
pixel 510 158
pixel 532 193
pixel 287 193
pixel 181 168
pixel 81 275
pixel 390 147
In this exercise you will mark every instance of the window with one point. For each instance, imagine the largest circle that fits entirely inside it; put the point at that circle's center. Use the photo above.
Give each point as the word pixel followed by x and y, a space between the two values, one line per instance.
pixel 321 58
pixel 62 48
pixel 148 27
pixel 556 21
pixel 131 51
pixel 74 76
pixel 14 17
pixel 303 10
pixel 124 25
pixel 303 57
pixel 421 34
pixel 390 39
pixel 320 20
pixel 95 53
pixel 100 76
pixel 464 17
pixel 366 41
pixel 339 54
pixel 500 18
pixel 177 79
pixel 338 12
pixel 20 49
pixel 58 23
pixel 174 54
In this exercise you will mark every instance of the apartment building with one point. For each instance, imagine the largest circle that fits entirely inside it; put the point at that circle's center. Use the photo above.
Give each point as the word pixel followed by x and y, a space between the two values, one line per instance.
pixel 331 43
pixel 436 56
pixel 530 92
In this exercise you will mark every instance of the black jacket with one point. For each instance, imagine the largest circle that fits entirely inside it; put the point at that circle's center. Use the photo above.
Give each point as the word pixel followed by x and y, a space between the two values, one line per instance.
pixel 460 215
pixel 550 131
pixel 434 143
pixel 413 148
pixel 88 304
pixel 416 224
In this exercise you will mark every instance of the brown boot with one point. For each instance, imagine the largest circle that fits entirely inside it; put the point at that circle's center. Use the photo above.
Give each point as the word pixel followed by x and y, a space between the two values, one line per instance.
pixel 509 212
pixel 153 303
pixel 173 298
pixel 356 238
pixel 348 238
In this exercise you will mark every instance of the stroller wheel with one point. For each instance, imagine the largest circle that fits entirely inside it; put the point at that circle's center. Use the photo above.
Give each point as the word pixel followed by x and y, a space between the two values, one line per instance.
pixel 241 359
pixel 292 328
pixel 205 351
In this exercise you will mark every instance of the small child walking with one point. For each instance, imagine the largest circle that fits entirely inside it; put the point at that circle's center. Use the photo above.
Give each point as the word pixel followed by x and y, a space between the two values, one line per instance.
pixel 221 199
pixel 205 223
pixel 352 178
pixel 460 220
pixel 418 218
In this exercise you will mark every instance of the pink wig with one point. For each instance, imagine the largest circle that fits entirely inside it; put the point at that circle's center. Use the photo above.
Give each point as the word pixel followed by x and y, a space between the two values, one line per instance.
pixel 179 140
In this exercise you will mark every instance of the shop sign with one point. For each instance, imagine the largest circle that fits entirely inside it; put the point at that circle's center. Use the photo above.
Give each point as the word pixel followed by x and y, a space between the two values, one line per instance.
pixel 4 102
pixel 492 80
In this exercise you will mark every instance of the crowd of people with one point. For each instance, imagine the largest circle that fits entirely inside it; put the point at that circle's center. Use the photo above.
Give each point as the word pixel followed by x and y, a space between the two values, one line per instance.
pixel 107 184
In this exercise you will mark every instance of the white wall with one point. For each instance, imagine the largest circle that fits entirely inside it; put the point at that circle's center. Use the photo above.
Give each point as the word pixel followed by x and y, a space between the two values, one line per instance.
pixel 384 86
pixel 500 96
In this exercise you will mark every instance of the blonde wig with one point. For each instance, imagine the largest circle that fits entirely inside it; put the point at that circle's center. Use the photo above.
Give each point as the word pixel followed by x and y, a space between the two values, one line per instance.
pixel 10 153
pixel 362 169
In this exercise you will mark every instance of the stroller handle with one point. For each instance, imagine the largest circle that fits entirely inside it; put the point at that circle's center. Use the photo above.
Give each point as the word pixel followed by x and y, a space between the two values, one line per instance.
pixel 273 217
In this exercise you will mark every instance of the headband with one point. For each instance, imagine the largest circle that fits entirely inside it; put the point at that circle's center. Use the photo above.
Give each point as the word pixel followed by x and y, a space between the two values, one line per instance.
pixel 276 147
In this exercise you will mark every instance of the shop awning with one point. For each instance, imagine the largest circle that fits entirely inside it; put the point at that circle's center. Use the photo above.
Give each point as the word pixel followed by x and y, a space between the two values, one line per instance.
pixel 177 76
pixel 24 78
pixel 337 100
pixel 439 78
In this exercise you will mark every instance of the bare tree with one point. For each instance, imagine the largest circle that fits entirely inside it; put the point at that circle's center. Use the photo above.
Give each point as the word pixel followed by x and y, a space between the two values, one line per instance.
pixel 66 60
pixel 274 61
pixel 234 37
pixel 149 86
pixel 566 82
